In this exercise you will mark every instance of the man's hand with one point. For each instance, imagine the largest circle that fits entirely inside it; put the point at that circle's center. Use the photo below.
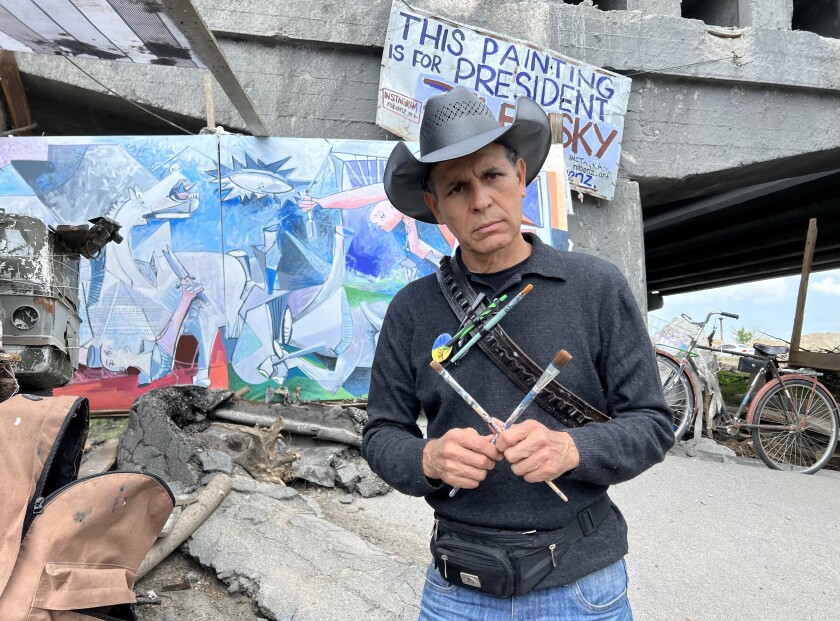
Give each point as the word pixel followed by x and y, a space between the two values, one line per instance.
pixel 537 453
pixel 461 458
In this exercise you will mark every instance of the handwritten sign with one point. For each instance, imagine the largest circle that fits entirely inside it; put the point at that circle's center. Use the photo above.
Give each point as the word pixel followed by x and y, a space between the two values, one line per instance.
pixel 427 55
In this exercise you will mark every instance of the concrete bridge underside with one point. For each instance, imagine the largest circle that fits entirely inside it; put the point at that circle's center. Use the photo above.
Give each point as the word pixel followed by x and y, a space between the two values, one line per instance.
pixel 732 134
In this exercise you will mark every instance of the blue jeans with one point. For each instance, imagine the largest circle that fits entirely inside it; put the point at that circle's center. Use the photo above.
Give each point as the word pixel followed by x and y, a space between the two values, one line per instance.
pixel 600 596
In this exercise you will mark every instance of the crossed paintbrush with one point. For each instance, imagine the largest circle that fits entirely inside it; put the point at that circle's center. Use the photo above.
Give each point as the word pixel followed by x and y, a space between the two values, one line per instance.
pixel 560 360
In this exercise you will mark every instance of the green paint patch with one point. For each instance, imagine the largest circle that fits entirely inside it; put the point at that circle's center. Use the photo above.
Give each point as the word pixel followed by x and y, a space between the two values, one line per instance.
pixel 357 296
pixel 310 390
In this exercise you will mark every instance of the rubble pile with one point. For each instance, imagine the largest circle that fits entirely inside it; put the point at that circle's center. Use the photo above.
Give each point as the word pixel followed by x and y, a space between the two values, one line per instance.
pixel 184 434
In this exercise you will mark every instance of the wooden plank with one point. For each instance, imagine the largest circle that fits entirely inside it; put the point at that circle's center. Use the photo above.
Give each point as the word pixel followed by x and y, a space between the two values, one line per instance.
pixel 555 122
pixel 814 360
pixel 14 92
pixel 105 18
pixel 100 458
pixel 207 48
pixel 109 414
pixel 807 260
pixel 208 101
pixel 76 25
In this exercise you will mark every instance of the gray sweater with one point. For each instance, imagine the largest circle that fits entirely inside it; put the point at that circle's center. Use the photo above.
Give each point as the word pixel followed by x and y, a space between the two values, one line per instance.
pixel 579 303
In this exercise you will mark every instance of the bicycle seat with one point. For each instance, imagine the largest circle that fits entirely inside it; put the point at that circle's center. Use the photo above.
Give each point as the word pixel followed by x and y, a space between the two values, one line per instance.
pixel 771 350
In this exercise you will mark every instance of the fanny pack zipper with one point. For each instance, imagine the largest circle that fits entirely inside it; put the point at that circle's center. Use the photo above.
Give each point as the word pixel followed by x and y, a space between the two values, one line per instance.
pixel 469 532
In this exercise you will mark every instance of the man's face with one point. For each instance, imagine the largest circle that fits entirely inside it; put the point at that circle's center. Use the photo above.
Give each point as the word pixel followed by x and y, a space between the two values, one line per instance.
pixel 479 197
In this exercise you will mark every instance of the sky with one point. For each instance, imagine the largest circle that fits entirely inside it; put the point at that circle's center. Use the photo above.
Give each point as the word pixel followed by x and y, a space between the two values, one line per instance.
pixel 766 305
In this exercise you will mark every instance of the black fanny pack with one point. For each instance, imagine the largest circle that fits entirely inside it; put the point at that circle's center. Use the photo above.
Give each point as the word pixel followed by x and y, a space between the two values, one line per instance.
pixel 505 563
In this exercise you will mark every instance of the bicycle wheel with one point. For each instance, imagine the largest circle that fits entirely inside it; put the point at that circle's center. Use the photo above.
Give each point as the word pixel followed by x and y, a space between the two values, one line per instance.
pixel 680 394
pixel 809 411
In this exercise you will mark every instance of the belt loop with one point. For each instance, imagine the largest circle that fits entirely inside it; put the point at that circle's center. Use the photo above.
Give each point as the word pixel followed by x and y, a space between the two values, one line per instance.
pixel 587 525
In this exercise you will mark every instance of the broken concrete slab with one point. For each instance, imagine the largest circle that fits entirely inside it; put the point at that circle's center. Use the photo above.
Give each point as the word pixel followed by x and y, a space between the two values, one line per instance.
pixel 316 463
pixel 159 438
pixel 100 458
pixel 215 461
pixel 170 434
pixel 278 491
pixel 706 448
pixel 347 475
pixel 369 484
pixel 259 451
pixel 298 566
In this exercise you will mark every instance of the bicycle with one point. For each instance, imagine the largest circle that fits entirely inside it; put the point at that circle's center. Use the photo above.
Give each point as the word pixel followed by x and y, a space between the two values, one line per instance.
pixel 792 418
pixel 680 377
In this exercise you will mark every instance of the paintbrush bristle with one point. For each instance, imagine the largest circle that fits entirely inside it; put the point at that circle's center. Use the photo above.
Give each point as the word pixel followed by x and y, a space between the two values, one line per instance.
pixel 436 366
pixel 562 358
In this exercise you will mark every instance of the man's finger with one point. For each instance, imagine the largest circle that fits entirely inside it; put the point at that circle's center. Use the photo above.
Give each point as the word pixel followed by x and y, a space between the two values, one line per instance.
pixel 466 477
pixel 528 466
pixel 480 444
pixel 513 436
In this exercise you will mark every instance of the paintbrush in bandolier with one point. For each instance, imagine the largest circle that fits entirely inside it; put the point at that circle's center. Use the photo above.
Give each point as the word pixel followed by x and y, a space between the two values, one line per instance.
pixel 491 321
pixel 479 327
pixel 445 344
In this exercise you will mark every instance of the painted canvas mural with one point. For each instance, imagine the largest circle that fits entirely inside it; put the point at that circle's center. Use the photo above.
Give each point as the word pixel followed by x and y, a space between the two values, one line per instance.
pixel 266 263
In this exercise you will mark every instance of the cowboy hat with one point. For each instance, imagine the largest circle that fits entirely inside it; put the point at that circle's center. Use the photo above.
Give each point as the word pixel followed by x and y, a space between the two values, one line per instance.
pixel 456 124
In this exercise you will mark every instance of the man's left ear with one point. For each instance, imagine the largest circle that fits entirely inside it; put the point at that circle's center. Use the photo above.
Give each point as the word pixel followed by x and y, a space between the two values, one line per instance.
pixel 431 203
pixel 520 173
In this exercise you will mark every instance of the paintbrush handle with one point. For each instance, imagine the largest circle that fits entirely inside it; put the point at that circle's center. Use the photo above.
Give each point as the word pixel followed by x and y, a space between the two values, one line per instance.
pixel 523 405
pixel 557 491
pixel 492 322
pixel 560 360
pixel 467 397
pixel 551 484
pixel 549 374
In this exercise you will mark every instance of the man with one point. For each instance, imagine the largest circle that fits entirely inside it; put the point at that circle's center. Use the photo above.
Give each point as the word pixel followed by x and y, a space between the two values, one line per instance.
pixel 472 176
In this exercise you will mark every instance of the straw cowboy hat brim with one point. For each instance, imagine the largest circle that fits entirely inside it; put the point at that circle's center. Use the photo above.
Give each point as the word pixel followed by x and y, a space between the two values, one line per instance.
pixel 529 135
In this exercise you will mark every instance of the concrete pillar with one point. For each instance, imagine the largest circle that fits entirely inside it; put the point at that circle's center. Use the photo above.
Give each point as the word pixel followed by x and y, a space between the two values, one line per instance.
pixel 655 7
pixel 766 13
pixel 613 231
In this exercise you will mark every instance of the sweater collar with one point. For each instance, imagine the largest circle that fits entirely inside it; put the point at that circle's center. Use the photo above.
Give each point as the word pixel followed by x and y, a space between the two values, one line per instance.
pixel 544 260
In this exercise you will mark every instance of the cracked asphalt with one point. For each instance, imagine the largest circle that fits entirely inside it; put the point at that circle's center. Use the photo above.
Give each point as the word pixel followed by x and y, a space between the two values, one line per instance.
pixel 708 541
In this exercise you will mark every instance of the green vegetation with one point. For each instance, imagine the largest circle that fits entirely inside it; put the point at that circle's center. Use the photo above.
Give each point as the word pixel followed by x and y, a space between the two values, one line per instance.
pixel 733 386
pixel 744 335
pixel 102 429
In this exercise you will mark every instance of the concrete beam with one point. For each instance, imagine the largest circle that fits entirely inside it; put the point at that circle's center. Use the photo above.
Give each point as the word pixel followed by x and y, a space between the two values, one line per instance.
pixel 627 41
pixel 655 7
pixel 311 92
pixel 766 13
pixel 175 89
pixel 677 129
pixel 612 230
pixel 204 44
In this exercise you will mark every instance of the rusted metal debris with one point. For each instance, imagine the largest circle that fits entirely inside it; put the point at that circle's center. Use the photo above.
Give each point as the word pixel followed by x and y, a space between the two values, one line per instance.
pixel 182 433
pixel 8 383
pixel 321 423
pixel 39 293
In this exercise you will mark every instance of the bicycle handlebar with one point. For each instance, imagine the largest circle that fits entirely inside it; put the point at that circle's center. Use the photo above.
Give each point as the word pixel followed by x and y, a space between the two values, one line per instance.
pixel 709 316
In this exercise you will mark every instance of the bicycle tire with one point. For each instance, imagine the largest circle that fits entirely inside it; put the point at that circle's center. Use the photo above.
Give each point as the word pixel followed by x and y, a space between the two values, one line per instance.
pixel 806 450
pixel 681 397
